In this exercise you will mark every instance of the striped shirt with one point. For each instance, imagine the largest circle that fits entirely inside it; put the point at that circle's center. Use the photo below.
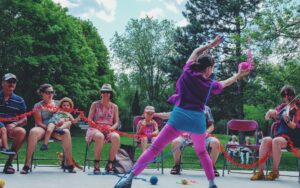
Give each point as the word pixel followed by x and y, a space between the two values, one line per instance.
pixel 14 106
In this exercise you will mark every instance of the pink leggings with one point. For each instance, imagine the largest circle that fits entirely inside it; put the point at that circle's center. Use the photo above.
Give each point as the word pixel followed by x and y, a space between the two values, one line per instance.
pixel 167 134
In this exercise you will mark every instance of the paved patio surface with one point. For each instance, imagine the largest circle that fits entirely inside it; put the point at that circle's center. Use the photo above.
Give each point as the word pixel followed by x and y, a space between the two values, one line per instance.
pixel 50 177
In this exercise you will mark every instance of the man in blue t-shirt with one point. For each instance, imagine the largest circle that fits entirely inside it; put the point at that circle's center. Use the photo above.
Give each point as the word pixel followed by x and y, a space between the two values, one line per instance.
pixel 11 105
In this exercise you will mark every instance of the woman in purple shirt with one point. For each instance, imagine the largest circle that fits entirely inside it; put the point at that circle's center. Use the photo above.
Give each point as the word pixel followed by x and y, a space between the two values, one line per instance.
pixel 192 91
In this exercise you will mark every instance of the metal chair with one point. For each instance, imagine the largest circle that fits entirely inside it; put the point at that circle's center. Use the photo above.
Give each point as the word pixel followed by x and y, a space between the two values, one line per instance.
pixel 44 156
pixel 247 126
pixel 87 160
pixel 160 124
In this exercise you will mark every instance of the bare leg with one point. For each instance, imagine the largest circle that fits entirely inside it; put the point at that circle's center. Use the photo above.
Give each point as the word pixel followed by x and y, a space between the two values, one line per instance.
pixel 176 143
pixel 66 144
pixel 99 141
pixel 114 147
pixel 143 144
pixel 4 137
pixel 214 144
pixel 277 144
pixel 49 131
pixel 264 149
pixel 18 135
pixel 35 135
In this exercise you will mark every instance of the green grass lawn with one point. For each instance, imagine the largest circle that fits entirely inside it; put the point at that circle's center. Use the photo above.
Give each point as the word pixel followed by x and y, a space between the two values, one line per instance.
pixel 289 161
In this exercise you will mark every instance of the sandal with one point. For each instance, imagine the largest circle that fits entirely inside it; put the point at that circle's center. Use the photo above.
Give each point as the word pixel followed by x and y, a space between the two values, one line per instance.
pixel 25 169
pixel 97 167
pixel 217 174
pixel 175 170
pixel 110 170
pixel 70 168
pixel 8 169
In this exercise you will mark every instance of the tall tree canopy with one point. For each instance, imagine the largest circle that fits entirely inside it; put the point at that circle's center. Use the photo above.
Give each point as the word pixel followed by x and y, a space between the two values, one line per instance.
pixel 278 29
pixel 40 43
pixel 144 50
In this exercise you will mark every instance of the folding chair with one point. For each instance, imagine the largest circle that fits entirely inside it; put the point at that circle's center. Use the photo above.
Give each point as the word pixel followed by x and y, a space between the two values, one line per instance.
pixel 160 124
pixel 44 156
pixel 247 126
pixel 87 160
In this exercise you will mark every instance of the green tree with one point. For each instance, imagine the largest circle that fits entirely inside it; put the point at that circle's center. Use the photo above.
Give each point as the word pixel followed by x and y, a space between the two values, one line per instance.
pixel 278 29
pixel 41 43
pixel 143 50
pixel 135 107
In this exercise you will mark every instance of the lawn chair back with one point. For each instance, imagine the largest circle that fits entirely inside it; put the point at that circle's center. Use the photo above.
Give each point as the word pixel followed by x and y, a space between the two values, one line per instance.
pixel 242 125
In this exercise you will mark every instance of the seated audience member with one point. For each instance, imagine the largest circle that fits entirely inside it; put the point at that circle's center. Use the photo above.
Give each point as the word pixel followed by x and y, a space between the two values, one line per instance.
pixel 147 128
pixel 11 105
pixel 245 151
pixel 233 151
pixel 60 121
pixel 106 115
pixel 285 125
pixel 44 111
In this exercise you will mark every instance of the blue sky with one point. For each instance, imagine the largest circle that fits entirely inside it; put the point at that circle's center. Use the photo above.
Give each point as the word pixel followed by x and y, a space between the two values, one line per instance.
pixel 109 16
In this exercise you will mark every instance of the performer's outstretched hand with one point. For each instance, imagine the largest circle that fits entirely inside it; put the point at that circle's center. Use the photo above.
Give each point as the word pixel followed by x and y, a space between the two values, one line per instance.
pixel 242 73
pixel 218 40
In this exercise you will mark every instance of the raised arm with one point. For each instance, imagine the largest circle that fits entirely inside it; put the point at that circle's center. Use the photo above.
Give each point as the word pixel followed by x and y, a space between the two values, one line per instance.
pixel 241 74
pixel 198 51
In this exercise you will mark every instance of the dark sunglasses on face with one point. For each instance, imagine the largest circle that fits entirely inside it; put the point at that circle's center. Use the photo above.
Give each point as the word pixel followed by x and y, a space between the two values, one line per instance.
pixel 49 92
pixel 105 92
pixel 12 81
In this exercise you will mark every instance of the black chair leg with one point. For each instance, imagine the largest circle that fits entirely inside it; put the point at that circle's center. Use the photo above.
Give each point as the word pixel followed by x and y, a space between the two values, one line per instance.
pixel 86 157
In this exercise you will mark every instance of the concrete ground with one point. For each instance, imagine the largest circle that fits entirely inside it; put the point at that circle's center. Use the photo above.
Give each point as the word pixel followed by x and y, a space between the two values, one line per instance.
pixel 50 177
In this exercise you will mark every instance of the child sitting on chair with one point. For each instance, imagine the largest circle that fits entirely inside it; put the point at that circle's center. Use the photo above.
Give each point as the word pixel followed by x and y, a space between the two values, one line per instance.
pixel 60 121
pixel 147 128
pixel 246 151
pixel 233 151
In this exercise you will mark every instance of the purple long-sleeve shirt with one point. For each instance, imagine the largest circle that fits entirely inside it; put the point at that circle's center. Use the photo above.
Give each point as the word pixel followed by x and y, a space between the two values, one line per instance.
pixel 192 89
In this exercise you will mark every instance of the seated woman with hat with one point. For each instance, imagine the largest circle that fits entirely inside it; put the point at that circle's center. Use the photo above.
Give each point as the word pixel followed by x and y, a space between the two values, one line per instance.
pixel 106 115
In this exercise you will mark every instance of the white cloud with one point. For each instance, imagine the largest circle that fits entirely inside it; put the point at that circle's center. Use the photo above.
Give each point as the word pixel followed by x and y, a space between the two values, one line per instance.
pixel 66 3
pixel 109 12
pixel 144 1
pixel 171 7
pixel 155 13
pixel 180 1
pixel 182 23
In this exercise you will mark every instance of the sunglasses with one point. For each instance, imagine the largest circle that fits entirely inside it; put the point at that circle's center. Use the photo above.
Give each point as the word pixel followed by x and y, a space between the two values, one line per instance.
pixel 12 81
pixel 105 92
pixel 49 92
